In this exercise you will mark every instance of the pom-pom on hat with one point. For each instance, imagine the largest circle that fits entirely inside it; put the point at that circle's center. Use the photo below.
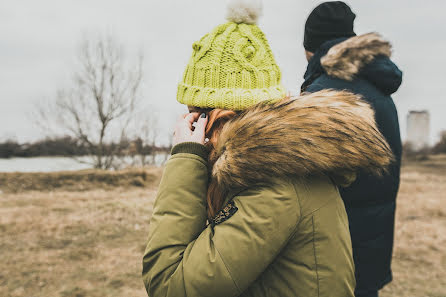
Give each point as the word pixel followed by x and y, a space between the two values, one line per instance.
pixel 232 67
pixel 244 11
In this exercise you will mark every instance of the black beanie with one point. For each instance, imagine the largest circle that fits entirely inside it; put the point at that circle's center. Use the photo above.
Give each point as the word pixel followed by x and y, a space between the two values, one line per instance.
pixel 329 20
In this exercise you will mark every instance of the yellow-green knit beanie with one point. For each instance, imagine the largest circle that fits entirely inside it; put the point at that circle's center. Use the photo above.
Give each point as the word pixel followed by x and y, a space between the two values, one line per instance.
pixel 232 67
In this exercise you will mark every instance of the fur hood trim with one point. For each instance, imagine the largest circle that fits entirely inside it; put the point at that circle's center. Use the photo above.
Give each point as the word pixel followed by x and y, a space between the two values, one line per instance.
pixel 346 59
pixel 327 132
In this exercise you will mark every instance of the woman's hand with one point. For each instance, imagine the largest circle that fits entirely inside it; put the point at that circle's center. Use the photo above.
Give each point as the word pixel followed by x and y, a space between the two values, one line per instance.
pixel 186 132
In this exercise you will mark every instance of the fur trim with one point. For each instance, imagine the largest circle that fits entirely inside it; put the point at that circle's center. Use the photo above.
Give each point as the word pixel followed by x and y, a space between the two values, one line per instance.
pixel 345 59
pixel 327 132
pixel 244 11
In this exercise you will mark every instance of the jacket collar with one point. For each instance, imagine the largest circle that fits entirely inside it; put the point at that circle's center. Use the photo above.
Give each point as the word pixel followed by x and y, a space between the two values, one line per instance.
pixel 344 58
pixel 314 68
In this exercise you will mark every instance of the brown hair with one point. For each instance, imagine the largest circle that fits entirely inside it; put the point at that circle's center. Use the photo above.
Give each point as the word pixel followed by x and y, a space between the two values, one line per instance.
pixel 215 195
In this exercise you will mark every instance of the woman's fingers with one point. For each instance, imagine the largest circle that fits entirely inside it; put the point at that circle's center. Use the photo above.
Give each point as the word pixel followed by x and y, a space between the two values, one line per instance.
pixel 191 128
pixel 201 123
pixel 200 127
pixel 188 117
pixel 191 117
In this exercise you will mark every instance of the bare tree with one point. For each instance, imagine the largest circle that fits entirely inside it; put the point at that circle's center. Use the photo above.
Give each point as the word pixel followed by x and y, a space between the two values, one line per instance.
pixel 100 106
pixel 143 152
pixel 440 146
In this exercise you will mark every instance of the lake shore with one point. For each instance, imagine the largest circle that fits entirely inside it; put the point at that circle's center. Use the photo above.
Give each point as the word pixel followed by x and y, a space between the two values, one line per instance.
pixel 83 180
pixel 61 163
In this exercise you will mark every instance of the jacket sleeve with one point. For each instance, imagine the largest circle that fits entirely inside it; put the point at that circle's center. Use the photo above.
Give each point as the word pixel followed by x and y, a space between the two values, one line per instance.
pixel 185 258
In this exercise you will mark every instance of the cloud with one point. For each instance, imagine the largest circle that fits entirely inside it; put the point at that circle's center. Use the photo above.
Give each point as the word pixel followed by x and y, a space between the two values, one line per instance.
pixel 39 40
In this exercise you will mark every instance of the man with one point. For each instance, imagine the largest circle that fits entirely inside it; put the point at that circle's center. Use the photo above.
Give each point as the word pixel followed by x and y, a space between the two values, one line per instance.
pixel 338 59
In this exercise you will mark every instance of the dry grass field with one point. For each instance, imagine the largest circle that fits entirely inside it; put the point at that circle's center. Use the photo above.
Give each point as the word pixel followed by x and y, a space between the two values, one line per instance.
pixel 419 258
pixel 81 241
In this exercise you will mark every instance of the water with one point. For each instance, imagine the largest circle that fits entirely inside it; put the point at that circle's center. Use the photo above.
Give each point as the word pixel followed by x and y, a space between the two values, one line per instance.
pixel 51 164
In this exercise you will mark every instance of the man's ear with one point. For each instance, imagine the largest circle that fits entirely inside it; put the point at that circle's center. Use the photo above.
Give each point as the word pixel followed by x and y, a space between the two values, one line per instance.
pixel 308 55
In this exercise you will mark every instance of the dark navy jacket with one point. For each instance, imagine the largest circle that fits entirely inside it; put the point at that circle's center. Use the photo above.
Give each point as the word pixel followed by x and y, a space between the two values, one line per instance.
pixel 370 201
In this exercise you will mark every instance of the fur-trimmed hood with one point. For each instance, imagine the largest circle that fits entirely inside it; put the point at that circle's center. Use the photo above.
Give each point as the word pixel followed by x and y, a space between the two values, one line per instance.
pixel 347 58
pixel 327 132
pixel 366 56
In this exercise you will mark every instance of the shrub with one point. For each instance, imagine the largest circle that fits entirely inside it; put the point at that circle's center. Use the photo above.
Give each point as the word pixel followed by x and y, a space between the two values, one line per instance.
pixel 440 147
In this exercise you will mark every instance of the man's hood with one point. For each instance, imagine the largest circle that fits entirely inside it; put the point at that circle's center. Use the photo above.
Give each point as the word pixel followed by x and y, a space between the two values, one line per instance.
pixel 366 56
pixel 327 132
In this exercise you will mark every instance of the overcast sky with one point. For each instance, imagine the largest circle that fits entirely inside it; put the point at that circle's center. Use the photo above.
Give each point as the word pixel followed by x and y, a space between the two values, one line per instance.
pixel 38 42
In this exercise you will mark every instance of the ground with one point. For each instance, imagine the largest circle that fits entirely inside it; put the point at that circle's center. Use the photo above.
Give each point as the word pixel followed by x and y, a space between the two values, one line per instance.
pixel 419 259
pixel 90 243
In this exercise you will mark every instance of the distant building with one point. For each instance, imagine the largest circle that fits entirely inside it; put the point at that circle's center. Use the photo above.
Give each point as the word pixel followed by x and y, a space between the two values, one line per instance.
pixel 418 129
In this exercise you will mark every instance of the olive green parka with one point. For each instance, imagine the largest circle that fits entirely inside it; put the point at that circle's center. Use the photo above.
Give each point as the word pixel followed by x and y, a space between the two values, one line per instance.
pixel 283 230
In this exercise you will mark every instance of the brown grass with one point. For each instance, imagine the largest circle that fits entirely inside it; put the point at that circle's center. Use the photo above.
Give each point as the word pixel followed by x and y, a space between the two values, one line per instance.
pixel 419 259
pixel 73 243
pixel 82 180
pixel 90 243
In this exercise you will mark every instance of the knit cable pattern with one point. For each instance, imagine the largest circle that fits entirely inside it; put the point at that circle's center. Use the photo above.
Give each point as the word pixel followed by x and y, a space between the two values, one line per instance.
pixel 232 67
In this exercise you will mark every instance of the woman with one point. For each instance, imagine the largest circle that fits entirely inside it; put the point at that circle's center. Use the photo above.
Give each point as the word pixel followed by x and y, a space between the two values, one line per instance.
pixel 248 204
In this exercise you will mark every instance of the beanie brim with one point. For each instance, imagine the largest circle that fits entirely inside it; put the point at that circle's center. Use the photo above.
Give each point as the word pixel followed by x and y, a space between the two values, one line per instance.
pixel 227 98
